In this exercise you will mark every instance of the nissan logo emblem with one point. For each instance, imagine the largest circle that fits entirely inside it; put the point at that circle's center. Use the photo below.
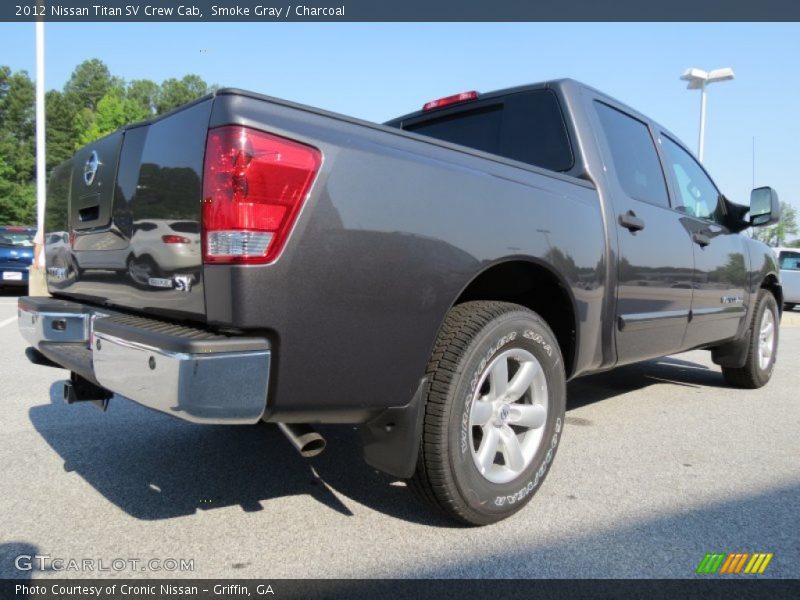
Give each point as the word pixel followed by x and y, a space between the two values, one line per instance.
pixel 90 168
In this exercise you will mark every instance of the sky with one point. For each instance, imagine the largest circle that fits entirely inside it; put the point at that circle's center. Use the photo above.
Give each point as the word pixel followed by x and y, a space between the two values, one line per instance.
pixel 377 71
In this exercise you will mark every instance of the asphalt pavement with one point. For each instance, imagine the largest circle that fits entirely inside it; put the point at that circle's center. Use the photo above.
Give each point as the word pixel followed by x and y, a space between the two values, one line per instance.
pixel 660 463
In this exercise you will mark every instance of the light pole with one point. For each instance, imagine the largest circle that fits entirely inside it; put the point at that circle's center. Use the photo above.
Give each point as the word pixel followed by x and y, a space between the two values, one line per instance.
pixel 698 80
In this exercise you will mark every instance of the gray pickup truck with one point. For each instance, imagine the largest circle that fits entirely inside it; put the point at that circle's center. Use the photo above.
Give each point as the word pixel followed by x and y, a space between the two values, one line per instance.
pixel 435 280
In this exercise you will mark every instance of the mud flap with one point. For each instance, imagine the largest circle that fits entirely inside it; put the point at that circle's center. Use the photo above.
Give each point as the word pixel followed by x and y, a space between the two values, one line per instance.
pixel 391 440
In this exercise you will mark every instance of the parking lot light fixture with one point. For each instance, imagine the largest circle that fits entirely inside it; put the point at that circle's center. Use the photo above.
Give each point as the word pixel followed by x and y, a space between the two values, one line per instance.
pixel 699 80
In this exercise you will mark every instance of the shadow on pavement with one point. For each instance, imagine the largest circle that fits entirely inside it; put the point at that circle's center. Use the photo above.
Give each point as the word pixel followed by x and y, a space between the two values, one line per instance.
pixel 155 467
pixel 638 376
pixel 13 291
pixel 13 554
pixel 659 546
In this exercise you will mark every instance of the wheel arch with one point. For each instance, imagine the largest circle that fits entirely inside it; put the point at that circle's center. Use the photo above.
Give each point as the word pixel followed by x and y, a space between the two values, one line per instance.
pixel 519 280
pixel 772 283
pixel 390 441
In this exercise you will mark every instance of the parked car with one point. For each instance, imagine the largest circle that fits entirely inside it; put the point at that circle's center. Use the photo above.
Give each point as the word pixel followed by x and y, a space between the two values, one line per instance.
pixel 434 280
pixel 789 262
pixel 163 246
pixel 16 255
pixel 156 247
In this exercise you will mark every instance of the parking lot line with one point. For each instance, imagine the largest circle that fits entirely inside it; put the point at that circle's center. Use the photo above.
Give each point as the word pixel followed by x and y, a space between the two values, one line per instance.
pixel 8 321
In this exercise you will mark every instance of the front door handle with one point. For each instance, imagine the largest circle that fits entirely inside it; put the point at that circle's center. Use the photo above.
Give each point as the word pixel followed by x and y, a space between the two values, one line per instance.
pixel 631 222
pixel 701 239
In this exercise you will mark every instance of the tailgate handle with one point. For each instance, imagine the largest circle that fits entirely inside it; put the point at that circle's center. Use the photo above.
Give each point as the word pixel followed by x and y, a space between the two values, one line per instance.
pixel 90 213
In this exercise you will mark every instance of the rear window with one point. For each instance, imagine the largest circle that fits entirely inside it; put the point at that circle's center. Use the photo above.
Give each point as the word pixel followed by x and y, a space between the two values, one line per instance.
pixel 790 261
pixel 17 239
pixel 527 127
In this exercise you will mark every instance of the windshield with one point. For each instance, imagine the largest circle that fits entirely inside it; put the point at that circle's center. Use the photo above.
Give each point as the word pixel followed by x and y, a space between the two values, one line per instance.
pixel 19 239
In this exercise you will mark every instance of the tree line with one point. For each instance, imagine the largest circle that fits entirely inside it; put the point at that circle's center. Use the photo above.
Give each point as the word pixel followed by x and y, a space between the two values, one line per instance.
pixel 92 103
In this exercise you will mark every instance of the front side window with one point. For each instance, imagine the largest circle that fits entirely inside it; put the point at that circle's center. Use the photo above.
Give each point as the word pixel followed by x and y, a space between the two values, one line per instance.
pixel 633 155
pixel 697 195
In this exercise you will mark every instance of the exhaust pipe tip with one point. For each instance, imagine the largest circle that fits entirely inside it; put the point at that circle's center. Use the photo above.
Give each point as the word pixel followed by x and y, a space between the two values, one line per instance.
pixel 306 441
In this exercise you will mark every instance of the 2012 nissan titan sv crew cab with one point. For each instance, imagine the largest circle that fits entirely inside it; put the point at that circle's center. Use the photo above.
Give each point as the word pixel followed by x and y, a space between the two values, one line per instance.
pixel 435 280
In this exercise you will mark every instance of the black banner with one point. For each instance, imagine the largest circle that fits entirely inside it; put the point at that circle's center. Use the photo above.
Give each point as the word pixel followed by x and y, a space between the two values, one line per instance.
pixel 404 10
pixel 442 589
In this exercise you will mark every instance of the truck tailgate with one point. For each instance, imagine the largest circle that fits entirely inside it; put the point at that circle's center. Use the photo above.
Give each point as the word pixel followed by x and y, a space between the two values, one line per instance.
pixel 128 207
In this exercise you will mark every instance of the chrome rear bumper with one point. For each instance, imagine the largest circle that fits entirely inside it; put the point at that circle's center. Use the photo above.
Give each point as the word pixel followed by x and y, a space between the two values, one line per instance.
pixel 186 372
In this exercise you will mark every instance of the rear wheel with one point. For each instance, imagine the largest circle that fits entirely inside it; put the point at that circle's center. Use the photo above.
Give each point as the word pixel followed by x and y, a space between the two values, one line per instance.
pixel 494 412
pixel 763 348
pixel 789 306
pixel 141 269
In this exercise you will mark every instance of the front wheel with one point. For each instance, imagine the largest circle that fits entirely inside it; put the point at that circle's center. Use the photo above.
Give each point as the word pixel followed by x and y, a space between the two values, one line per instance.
pixel 494 412
pixel 789 306
pixel 763 346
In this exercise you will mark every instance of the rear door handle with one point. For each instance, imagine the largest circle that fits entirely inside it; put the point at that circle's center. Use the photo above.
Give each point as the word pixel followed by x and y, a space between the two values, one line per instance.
pixel 701 239
pixel 631 222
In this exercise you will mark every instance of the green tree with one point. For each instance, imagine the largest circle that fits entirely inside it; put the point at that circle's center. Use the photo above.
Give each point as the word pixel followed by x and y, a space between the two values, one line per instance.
pixel 17 201
pixel 145 93
pixel 113 111
pixel 776 235
pixel 175 92
pixel 17 123
pixel 92 103
pixel 89 82
pixel 17 156
pixel 60 130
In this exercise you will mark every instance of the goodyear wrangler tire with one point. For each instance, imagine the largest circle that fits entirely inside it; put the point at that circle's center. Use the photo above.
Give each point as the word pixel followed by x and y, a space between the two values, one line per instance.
pixel 494 412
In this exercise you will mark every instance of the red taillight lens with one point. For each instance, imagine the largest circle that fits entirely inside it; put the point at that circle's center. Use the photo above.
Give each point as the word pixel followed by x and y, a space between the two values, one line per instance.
pixel 448 100
pixel 175 239
pixel 254 184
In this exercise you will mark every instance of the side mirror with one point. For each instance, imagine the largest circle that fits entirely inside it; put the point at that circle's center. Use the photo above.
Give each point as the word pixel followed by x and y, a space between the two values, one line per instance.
pixel 765 209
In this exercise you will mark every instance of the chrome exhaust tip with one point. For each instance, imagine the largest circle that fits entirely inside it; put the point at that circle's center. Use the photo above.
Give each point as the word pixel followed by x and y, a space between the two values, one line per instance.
pixel 308 442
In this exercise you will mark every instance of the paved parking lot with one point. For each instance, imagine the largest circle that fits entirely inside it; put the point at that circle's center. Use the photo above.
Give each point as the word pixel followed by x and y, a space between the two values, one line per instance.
pixel 660 463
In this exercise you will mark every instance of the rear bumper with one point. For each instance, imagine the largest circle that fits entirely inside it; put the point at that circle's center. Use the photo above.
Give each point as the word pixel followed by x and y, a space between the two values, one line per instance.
pixel 186 372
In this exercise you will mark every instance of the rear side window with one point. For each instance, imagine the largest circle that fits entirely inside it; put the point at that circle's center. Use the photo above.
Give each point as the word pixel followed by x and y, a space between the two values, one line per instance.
pixel 527 127
pixel 790 261
pixel 185 226
pixel 634 156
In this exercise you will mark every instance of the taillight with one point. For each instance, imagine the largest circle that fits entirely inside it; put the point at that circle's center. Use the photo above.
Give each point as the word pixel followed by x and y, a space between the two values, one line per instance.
pixel 254 184
pixel 175 239
pixel 448 100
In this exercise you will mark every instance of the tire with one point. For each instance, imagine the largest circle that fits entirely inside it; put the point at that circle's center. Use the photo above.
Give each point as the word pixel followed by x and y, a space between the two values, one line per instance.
pixel 141 269
pixel 789 306
pixel 465 402
pixel 763 346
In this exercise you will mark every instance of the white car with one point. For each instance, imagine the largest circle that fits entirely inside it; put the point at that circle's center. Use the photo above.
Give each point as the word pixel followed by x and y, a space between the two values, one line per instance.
pixel 789 262
pixel 157 247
